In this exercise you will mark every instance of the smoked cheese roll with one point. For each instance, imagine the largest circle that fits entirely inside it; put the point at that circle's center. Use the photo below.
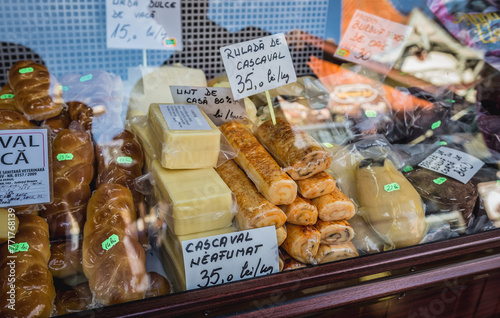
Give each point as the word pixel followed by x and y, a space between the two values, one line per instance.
pixel 302 242
pixel 320 184
pixel 331 253
pixel 289 263
pixel 281 234
pixel 335 232
pixel 334 206
pixel 300 212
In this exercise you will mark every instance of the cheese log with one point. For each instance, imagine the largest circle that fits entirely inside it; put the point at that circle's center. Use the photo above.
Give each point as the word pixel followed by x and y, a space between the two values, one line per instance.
pixel 334 206
pixel 300 212
pixel 12 119
pixel 265 173
pixel 397 215
pixel 146 136
pixel 302 242
pixel 331 253
pixel 7 98
pixel 10 224
pixel 253 209
pixel 158 285
pixel 185 149
pixel 73 300
pixel 289 263
pixel 336 232
pixel 36 92
pixel 281 234
pixel 66 258
pixel 34 290
pixel 295 150
pixel 199 200
pixel 317 185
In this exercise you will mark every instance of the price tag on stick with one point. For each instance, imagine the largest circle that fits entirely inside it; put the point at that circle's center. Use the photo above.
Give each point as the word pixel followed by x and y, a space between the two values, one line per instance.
pixel 230 257
pixel 258 65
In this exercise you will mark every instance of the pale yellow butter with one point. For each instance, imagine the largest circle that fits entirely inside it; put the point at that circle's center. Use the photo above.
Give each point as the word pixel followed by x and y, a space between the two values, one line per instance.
pixel 185 149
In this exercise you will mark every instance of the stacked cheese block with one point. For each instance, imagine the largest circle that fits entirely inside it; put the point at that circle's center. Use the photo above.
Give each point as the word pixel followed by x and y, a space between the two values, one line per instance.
pixel 191 197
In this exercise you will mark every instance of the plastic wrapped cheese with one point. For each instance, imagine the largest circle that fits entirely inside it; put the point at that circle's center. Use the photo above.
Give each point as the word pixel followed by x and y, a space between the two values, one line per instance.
pixel 196 200
pixel 185 148
pixel 149 142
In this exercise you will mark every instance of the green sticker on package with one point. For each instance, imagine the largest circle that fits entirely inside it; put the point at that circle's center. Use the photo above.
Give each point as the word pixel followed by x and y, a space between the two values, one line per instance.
pixel 64 156
pixel 110 242
pixel 124 160
pixel 439 180
pixel 7 96
pixel 370 113
pixel 407 168
pixel 436 124
pixel 327 145
pixel 85 78
pixel 392 187
pixel 26 70
pixel 18 247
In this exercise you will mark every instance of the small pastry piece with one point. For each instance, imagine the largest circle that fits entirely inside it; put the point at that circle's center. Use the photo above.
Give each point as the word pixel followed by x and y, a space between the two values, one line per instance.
pixel 289 263
pixel 334 206
pixel 12 119
pixel 66 258
pixel 295 150
pixel 335 232
pixel 302 242
pixel 317 185
pixel 300 212
pixel 81 113
pixel 254 210
pixel 58 123
pixel 331 253
pixel 158 285
pixel 10 224
pixel 275 185
pixel 36 92
pixel 281 234
pixel 7 100
pixel 73 300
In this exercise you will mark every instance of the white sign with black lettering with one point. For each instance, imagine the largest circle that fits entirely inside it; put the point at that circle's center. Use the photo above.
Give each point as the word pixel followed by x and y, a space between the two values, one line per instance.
pixel 24 167
pixel 184 117
pixel 217 102
pixel 143 24
pixel 258 65
pixel 230 257
pixel 453 163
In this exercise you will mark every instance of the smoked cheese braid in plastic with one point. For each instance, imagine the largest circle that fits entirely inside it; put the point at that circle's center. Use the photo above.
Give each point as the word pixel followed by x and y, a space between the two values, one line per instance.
pixel 334 206
pixel 335 232
pixel 300 212
pixel 317 185
pixel 253 209
pixel 34 292
pixel 302 242
pixel 7 100
pixel 73 170
pixel 36 92
pixel 261 168
pixel 12 119
pixel 113 260
pixel 330 253
pixel 295 150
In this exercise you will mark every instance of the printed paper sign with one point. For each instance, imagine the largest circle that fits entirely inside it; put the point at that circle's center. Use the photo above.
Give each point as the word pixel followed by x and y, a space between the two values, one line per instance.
pixel 453 163
pixel 217 102
pixel 230 257
pixel 372 38
pixel 258 65
pixel 24 167
pixel 140 24
pixel 184 117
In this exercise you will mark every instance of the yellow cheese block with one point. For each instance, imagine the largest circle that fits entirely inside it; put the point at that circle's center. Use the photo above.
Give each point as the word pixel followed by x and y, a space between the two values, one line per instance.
pixel 9 224
pixel 149 142
pixel 197 200
pixel 185 149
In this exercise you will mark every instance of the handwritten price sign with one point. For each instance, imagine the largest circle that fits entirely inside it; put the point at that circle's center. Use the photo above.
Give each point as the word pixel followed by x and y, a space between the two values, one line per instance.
pixel 258 65
pixel 371 38
pixel 224 258
pixel 141 24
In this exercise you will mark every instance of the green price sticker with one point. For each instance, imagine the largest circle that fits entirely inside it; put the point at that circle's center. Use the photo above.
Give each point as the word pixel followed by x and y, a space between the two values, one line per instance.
pixel 392 187
pixel 407 168
pixel 18 247
pixel 110 242
pixel 64 88
pixel 370 113
pixel 436 124
pixel 327 145
pixel 85 78
pixel 439 180
pixel 443 143
pixel 450 101
pixel 124 160
pixel 7 96
pixel 26 70
pixel 64 156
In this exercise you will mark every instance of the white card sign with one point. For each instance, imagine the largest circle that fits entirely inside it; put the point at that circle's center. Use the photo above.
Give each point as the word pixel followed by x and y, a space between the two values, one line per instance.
pixel 230 257
pixel 372 38
pixel 217 102
pixel 24 167
pixel 184 117
pixel 453 163
pixel 258 65
pixel 140 24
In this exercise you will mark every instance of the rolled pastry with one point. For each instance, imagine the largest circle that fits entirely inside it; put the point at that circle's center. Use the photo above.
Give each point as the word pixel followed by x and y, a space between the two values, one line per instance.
pixel 289 263
pixel 302 242
pixel 281 234
pixel 334 206
pixel 335 232
pixel 317 185
pixel 331 253
pixel 300 212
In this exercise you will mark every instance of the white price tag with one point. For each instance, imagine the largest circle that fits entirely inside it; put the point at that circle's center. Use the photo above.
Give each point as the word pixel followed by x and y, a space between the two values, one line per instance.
pixel 453 163
pixel 141 24
pixel 24 167
pixel 217 102
pixel 184 117
pixel 372 38
pixel 258 65
pixel 230 257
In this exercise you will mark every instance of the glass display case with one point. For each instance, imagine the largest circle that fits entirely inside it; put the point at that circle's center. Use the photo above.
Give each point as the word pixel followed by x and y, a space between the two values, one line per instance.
pixel 249 158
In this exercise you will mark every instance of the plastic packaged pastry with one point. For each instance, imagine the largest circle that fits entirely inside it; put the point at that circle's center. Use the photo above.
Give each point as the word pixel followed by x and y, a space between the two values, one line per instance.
pixel 330 253
pixel 365 239
pixel 12 119
pixel 296 151
pixel 334 206
pixel 300 212
pixel 66 258
pixel 302 242
pixel 289 263
pixel 10 222
pixel 7 98
pixel 490 194
pixel 73 300
pixel 274 184
pixel 317 185
pixel 158 285
pixel 57 123
pixel 336 232
pixel 281 234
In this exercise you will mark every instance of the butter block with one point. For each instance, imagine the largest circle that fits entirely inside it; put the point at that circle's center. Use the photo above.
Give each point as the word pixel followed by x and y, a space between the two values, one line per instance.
pixel 149 142
pixel 189 148
pixel 197 200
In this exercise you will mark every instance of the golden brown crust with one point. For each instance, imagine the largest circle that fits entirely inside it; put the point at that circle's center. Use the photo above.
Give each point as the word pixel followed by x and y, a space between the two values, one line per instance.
pixel 317 185
pixel 66 258
pixel 58 123
pixel 12 119
pixel 36 93
pixel 334 206
pixel 73 300
pixel 7 100
pixel 81 113
pixel 302 242
pixel 300 212
pixel 330 253
pixel 158 285
pixel 335 232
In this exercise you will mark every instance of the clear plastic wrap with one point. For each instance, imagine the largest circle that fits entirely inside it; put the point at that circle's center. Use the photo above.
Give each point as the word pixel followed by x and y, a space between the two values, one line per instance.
pixel 66 259
pixel 335 232
pixel 331 253
pixel 12 119
pixel 10 222
pixel 490 196
pixel 7 100
pixel 73 300
pixel 317 185
pixel 300 212
pixel 150 144
pixel 302 243
pixel 365 239
pixel 334 206
pixel 289 263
